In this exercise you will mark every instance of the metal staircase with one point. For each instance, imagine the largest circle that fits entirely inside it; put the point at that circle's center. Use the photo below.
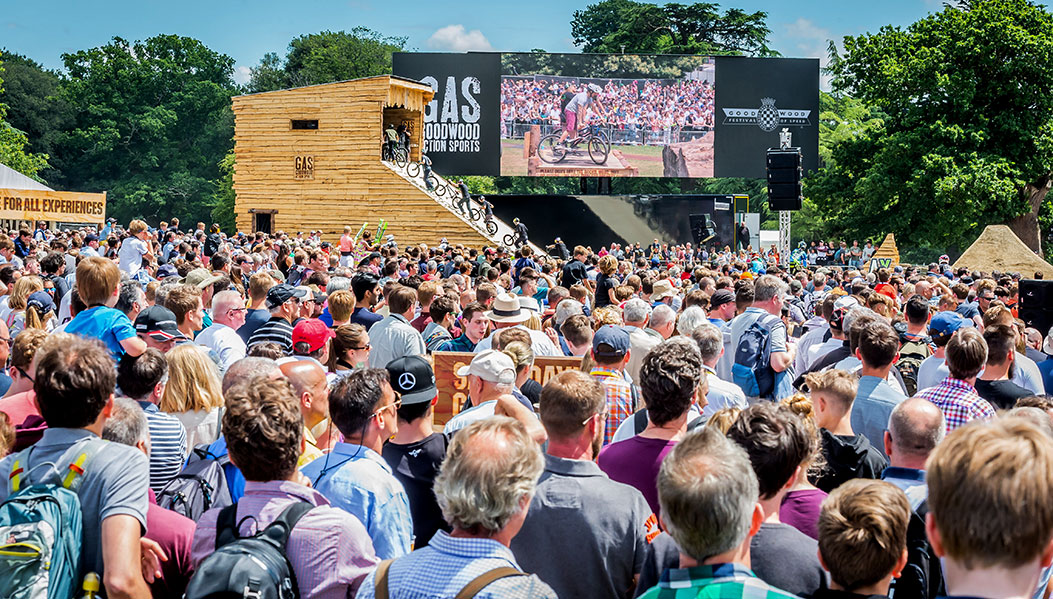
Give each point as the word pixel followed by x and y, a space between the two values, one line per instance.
pixel 449 200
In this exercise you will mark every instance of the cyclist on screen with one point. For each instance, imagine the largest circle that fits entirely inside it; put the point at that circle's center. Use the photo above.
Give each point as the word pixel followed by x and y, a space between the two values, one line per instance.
pixel 575 111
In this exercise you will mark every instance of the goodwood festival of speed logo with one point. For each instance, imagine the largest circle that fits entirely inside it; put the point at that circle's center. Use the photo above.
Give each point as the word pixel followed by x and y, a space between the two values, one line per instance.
pixel 767 117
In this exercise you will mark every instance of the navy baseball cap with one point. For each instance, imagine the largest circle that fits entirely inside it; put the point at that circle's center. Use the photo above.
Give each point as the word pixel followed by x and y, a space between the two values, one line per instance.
pixel 158 322
pixel 283 292
pixel 610 341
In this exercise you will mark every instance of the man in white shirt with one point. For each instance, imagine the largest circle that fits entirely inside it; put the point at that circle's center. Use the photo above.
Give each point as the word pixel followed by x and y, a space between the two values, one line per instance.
pixel 722 394
pixel 228 314
pixel 507 312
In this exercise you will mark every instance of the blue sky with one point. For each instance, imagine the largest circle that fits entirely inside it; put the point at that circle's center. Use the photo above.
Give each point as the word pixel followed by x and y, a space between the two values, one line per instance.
pixel 245 30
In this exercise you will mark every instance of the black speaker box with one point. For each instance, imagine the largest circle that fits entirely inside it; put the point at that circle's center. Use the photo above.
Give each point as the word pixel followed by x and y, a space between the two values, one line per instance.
pixel 1036 304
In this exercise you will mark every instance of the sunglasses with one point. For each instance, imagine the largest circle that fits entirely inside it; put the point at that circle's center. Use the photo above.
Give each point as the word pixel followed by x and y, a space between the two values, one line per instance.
pixel 366 346
pixel 395 404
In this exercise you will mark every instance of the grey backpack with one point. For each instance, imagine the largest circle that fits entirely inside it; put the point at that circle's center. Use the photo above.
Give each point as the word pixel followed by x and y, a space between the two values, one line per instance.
pixel 201 486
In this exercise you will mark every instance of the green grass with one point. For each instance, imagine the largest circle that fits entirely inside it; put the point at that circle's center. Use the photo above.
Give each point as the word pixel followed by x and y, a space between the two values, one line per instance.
pixel 647 158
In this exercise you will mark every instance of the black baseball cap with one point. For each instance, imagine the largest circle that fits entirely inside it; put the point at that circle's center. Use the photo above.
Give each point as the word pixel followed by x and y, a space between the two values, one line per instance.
pixel 721 297
pixel 281 293
pixel 158 322
pixel 413 379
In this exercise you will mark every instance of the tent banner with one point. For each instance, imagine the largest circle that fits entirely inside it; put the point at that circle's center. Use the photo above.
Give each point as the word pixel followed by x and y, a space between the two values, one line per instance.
pixel 453 389
pixel 64 206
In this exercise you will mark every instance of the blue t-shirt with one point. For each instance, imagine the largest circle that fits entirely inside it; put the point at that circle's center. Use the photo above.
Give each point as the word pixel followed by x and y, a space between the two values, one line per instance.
pixel 235 479
pixel 108 325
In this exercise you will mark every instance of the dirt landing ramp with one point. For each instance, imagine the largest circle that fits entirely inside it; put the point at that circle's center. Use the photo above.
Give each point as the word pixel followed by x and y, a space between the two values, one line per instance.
pixel 999 249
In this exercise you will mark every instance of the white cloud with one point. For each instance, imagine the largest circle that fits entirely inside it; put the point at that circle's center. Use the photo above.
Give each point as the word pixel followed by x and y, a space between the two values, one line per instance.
pixel 805 39
pixel 455 38
pixel 242 74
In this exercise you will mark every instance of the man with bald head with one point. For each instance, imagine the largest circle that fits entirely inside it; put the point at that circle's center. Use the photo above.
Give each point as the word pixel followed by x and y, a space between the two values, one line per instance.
pixel 312 390
pixel 915 428
pixel 228 314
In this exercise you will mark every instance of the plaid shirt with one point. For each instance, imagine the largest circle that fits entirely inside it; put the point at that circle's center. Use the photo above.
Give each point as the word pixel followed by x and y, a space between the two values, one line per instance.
pixel 619 399
pixel 722 581
pixel 447 564
pixel 958 401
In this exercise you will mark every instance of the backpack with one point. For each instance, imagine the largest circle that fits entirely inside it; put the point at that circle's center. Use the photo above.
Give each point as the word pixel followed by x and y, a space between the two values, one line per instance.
pixel 212 243
pixel 922 578
pixel 911 355
pixel 201 486
pixel 255 566
pixel 752 369
pixel 40 526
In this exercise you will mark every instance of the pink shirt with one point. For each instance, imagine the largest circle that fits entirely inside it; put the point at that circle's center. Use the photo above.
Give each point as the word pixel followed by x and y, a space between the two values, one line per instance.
pixel 345 243
pixel 19 406
pixel 329 549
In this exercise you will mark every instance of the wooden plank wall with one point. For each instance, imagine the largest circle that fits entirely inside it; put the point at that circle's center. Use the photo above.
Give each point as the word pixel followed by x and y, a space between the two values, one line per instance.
pixel 350 185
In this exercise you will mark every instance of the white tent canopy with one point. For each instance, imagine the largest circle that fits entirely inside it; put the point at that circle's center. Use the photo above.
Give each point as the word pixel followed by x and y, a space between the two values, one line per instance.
pixel 12 179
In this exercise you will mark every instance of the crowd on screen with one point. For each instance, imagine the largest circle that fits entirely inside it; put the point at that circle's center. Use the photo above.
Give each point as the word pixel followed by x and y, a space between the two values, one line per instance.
pixel 740 425
pixel 637 106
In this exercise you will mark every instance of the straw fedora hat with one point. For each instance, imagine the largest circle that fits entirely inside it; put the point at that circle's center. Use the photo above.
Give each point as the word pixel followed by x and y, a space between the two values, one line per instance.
pixel 506 308
pixel 661 289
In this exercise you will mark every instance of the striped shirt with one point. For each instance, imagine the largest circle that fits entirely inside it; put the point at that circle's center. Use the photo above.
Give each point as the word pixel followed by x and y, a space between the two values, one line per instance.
pixel 168 446
pixel 277 330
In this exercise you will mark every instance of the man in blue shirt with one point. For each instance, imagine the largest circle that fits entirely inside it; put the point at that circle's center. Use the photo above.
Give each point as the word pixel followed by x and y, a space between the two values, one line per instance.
pixel 914 430
pixel 354 475
pixel 875 398
pixel 485 515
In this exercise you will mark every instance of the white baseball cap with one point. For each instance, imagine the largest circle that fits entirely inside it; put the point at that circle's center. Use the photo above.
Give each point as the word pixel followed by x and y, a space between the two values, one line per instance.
pixel 492 366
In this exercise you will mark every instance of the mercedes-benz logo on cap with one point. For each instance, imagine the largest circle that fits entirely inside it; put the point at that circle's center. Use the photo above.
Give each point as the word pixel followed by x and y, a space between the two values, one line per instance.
pixel 407 381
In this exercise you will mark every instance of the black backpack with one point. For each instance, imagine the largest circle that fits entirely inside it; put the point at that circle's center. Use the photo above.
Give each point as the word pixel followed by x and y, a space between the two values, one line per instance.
pixel 201 486
pixel 922 578
pixel 255 566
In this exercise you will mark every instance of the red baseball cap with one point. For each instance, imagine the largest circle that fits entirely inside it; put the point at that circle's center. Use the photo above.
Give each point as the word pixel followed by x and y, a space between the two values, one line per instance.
pixel 312 332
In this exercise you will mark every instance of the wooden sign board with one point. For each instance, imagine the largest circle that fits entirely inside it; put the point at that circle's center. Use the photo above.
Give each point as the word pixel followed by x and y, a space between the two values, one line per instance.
pixel 304 167
pixel 42 204
pixel 453 389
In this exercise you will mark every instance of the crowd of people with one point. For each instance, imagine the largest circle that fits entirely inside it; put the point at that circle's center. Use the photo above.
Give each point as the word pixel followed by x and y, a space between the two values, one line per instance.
pixel 233 410
pixel 638 108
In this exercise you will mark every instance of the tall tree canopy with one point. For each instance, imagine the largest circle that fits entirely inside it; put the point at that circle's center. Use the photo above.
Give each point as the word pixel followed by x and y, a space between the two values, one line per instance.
pixel 326 57
pixel 153 121
pixel 14 146
pixel 966 137
pixel 615 26
pixel 35 105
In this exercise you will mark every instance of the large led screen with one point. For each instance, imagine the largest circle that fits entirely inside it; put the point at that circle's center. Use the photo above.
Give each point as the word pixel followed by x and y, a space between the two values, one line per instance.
pixel 613 115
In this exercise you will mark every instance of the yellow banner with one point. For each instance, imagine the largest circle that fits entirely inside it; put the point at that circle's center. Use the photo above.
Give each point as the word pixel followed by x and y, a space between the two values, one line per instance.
pixel 64 206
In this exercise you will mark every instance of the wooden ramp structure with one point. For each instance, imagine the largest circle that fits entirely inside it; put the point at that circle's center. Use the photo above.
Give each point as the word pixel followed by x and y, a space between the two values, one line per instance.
pixel 309 158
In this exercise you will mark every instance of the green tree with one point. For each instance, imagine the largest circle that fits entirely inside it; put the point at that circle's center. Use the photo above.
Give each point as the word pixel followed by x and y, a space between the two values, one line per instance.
pixel 326 57
pixel 223 195
pixel 35 106
pixel 153 120
pixel 617 26
pixel 14 151
pixel 966 138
